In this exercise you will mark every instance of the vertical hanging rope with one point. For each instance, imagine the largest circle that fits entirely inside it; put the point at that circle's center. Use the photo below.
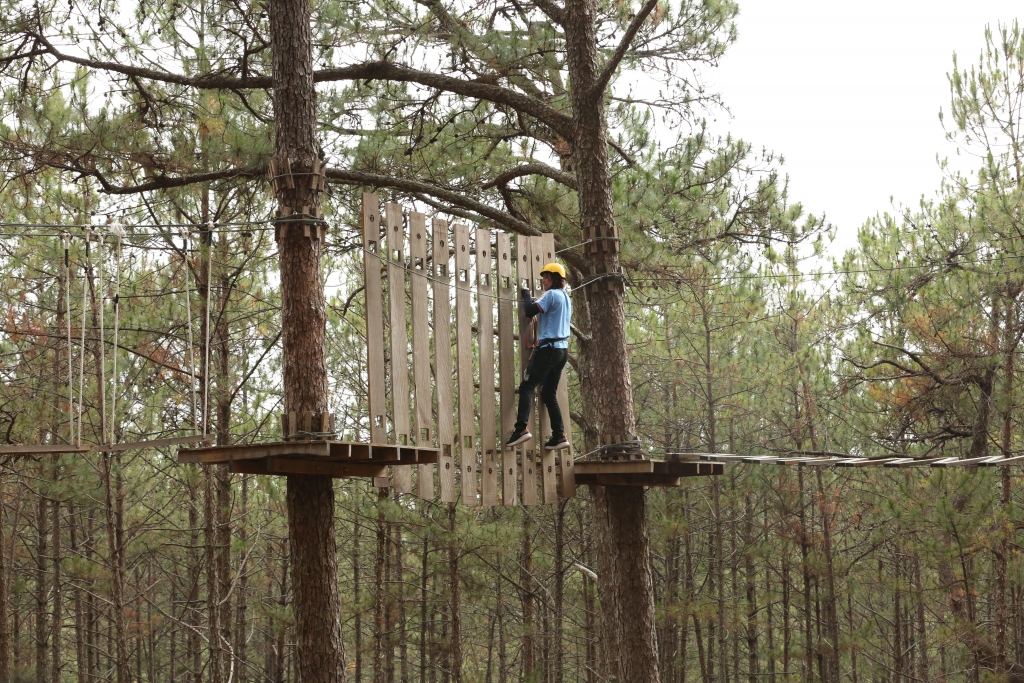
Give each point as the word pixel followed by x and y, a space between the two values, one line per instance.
pixel 118 230
pixel 206 341
pixel 103 336
pixel 81 355
pixel 65 238
pixel 191 342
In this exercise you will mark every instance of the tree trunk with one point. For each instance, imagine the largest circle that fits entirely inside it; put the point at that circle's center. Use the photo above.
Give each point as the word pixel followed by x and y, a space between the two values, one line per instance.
pixel 6 560
pixel 624 583
pixel 526 581
pixel 319 651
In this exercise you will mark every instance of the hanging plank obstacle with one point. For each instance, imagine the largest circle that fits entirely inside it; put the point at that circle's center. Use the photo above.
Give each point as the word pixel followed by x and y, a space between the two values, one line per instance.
pixel 102 255
pixel 448 424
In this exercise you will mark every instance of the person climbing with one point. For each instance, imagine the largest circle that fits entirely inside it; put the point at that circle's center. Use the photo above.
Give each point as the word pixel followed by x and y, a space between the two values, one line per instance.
pixel 549 356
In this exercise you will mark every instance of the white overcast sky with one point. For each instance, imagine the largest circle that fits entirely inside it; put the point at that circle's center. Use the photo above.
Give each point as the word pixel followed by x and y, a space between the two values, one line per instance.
pixel 849 94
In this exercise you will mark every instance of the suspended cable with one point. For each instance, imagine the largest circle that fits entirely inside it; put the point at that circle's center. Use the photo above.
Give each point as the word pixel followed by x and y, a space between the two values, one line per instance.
pixel 81 356
pixel 103 340
pixel 67 319
pixel 118 231
pixel 191 343
pixel 206 341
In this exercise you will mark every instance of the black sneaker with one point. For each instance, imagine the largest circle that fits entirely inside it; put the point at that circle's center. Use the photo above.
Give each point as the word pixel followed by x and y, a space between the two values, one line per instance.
pixel 518 437
pixel 556 443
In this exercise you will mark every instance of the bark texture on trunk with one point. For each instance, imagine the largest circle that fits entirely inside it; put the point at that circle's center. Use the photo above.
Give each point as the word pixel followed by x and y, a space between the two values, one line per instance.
pixel 319 650
pixel 624 582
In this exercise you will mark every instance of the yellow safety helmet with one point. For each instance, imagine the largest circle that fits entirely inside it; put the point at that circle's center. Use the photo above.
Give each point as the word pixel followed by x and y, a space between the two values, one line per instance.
pixel 553 268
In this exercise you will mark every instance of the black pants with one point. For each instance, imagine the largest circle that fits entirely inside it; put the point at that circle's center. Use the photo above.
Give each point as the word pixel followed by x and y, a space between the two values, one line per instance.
pixel 545 369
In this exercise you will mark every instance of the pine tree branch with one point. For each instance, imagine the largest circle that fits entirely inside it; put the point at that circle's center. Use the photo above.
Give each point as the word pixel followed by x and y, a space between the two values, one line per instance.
pixel 554 12
pixel 383 71
pixel 465 206
pixel 386 71
pixel 417 186
pixel 161 182
pixel 534 168
pixel 620 51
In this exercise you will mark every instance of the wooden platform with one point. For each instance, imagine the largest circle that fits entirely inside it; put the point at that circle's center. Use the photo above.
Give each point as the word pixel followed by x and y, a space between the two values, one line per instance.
pixel 340 459
pixel 642 472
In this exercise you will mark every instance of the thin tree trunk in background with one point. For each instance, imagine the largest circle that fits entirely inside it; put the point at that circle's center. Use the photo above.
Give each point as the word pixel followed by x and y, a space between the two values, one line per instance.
pixel 193 654
pixel 897 628
pixel 215 665
pixel 6 560
pixel 455 605
pixel 769 598
pixel 403 641
pixel 356 600
pixel 922 643
pixel 379 598
pixel 500 617
pixel 853 640
pixel 808 663
pixel 424 572
pixel 42 584
pixel 57 619
pixel 92 636
pixel 76 592
pixel 526 581
pixel 691 591
pixel 242 598
pixel 831 607
pixel 222 473
pixel 748 543
pixel 559 570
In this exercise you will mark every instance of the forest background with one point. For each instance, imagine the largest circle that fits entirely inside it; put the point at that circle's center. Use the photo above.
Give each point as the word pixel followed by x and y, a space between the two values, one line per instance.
pixel 132 567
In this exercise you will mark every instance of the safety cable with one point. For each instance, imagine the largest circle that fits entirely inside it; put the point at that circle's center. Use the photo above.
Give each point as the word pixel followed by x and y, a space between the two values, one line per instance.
pixel 81 357
pixel 206 341
pixel 67 319
pixel 191 342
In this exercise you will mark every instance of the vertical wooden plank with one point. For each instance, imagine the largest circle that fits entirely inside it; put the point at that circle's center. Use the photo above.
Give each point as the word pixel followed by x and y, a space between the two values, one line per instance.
pixel 401 475
pixel 441 275
pixel 506 287
pixel 464 365
pixel 422 394
pixel 524 277
pixel 485 345
pixel 372 254
pixel 548 476
pixel 563 458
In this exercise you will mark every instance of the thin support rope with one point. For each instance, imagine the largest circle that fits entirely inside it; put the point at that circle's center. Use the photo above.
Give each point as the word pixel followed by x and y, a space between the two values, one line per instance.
pixel 81 355
pixel 67 318
pixel 103 339
pixel 191 342
pixel 116 229
pixel 206 341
